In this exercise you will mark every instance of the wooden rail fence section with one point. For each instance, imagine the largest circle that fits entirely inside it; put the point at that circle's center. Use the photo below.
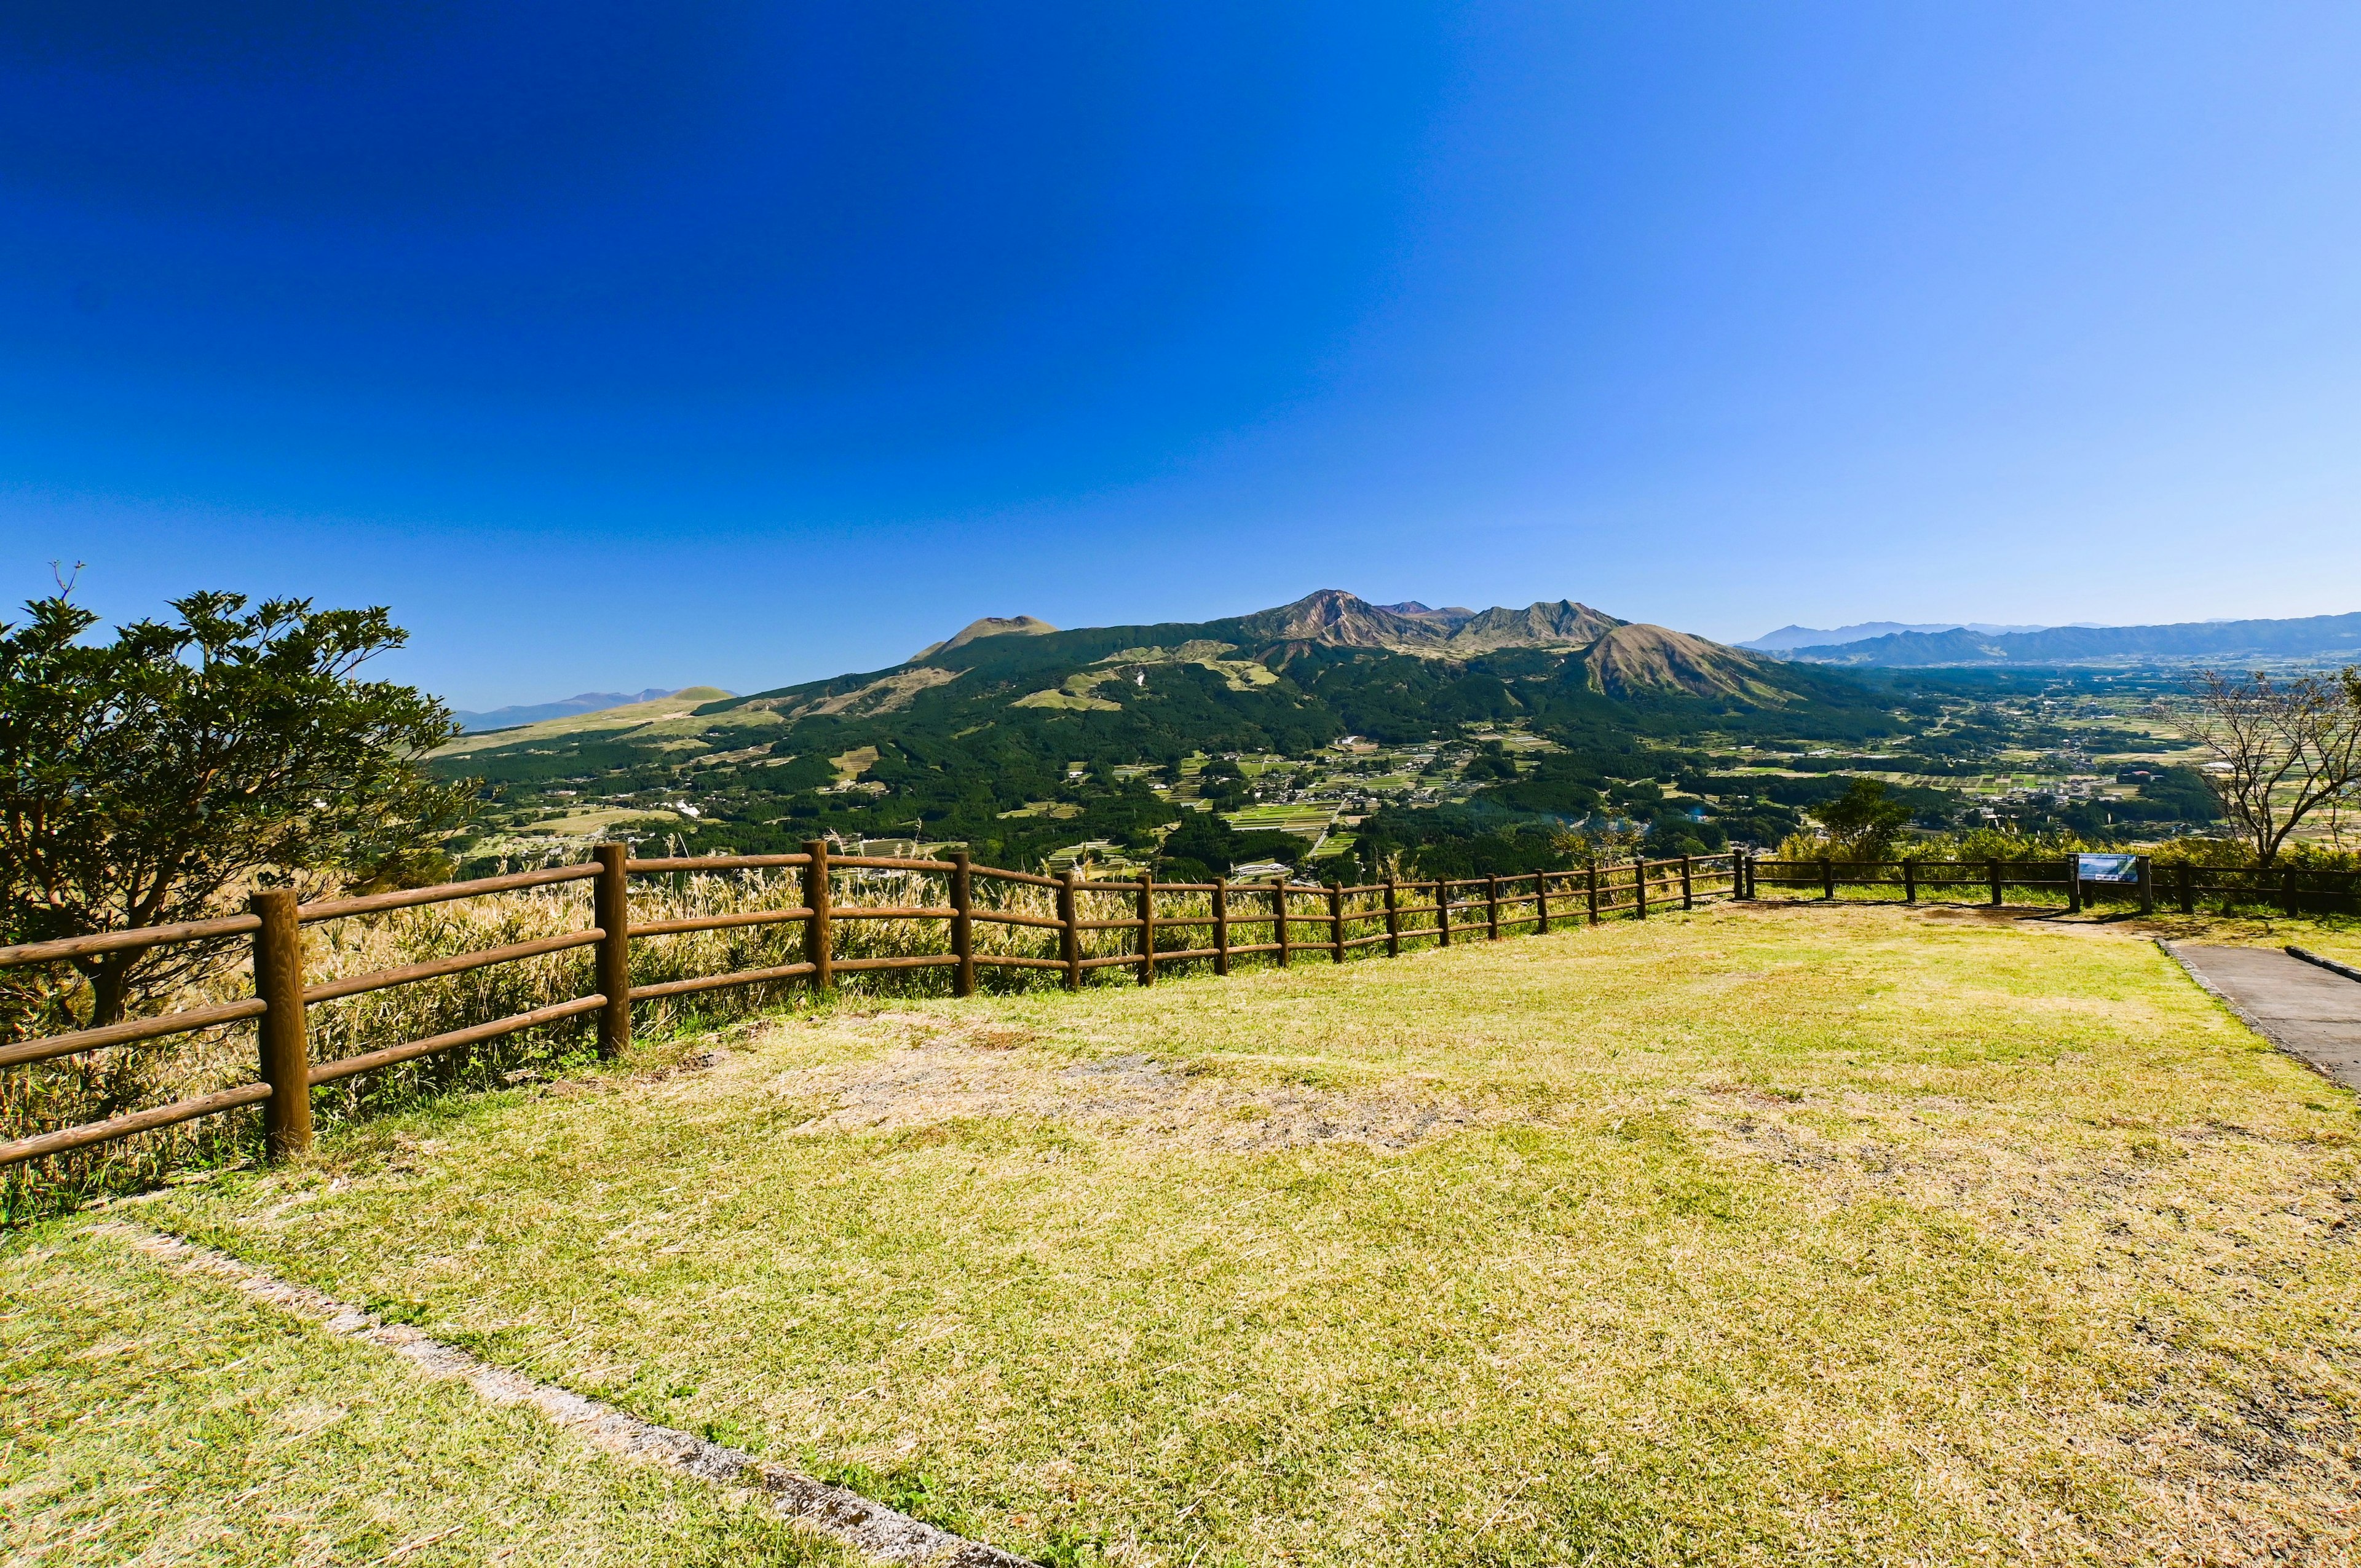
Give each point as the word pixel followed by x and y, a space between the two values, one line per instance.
pixel 1277 920
pixel 2289 890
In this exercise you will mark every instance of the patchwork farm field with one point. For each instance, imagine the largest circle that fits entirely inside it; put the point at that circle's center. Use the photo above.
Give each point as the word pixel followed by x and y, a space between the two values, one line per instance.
pixel 1780 1233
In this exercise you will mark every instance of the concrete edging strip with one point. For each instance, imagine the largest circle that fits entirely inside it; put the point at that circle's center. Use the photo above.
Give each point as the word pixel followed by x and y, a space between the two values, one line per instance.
pixel 2172 952
pixel 2305 1009
pixel 844 1516
pixel 2331 965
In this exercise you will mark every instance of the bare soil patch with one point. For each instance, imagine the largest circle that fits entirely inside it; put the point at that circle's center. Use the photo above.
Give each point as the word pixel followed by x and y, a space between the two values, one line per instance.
pixel 983 1074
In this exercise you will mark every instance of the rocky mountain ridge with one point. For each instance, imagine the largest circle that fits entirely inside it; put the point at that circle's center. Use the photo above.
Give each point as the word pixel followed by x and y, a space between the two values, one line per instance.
pixel 1631 658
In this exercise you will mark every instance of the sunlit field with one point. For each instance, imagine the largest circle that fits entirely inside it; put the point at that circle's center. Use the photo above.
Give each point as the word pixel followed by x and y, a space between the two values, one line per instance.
pixel 1782 1234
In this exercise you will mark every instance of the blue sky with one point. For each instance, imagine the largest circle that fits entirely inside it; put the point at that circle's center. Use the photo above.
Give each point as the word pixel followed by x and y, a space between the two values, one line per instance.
pixel 619 345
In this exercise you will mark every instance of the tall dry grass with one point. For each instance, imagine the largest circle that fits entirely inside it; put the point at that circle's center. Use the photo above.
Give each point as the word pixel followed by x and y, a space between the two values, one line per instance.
pixel 95 1085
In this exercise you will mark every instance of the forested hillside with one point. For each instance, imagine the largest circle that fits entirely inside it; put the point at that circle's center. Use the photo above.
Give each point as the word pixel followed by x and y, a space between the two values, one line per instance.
pixel 1019 741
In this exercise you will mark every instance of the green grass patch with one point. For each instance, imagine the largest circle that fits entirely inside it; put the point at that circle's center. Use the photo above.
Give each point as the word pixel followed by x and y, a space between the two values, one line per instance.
pixel 153 1417
pixel 1807 1234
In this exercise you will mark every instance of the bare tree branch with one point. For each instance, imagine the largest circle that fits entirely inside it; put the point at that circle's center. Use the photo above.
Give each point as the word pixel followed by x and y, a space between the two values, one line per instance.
pixel 2281 749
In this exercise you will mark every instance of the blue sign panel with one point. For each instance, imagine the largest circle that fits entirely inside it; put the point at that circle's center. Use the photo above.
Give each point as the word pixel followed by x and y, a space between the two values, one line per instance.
pixel 2109 868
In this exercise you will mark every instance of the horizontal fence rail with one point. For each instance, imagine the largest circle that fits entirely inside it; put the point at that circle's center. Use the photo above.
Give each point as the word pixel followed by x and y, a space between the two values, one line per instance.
pixel 1151 926
pixel 1161 924
pixel 2290 890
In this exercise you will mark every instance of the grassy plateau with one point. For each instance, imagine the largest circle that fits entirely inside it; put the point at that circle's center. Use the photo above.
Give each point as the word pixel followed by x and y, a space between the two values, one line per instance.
pixel 1782 1234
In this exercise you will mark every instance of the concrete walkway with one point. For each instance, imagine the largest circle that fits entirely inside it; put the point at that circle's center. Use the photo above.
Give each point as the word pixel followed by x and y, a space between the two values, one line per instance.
pixel 2304 1009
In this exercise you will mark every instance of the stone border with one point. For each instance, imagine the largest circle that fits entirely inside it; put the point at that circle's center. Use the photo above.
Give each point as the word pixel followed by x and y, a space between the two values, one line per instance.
pixel 2331 965
pixel 844 1516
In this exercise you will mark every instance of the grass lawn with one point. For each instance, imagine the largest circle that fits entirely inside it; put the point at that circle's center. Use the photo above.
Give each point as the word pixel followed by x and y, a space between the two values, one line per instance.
pixel 1828 1234
pixel 154 1419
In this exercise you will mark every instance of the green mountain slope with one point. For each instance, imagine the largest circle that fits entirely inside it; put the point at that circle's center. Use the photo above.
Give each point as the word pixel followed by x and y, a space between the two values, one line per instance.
pixel 1017 744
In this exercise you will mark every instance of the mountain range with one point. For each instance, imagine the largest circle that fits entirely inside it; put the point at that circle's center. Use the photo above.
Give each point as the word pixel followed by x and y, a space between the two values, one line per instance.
pixel 1792 636
pixel 1617 658
pixel 2334 637
pixel 967 741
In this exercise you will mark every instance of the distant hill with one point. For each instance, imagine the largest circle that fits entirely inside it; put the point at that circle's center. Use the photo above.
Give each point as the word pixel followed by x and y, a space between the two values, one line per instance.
pixel 593 721
pixel 2307 637
pixel 990 626
pixel 565 707
pixel 1788 637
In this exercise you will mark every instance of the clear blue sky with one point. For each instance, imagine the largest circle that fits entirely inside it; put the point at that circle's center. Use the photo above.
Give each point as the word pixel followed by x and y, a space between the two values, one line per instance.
pixel 619 345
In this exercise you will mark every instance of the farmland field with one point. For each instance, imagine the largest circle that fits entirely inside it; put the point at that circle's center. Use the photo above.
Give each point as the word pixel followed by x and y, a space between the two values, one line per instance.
pixel 1785 1234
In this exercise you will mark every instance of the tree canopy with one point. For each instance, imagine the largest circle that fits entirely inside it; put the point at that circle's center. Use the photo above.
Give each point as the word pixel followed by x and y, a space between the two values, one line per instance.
pixel 155 777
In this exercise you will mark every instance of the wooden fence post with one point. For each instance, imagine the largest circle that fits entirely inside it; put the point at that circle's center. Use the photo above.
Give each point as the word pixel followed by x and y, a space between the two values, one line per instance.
pixel 1688 891
pixel 2147 886
pixel 610 906
pixel 1393 921
pixel 1639 887
pixel 2187 887
pixel 1992 867
pixel 2287 892
pixel 1492 908
pixel 816 932
pixel 1909 879
pixel 1278 916
pixel 1336 921
pixel 1594 892
pixel 1220 925
pixel 1147 929
pixel 1442 912
pixel 963 924
pixel 1827 877
pixel 286 1050
pixel 1540 903
pixel 1069 937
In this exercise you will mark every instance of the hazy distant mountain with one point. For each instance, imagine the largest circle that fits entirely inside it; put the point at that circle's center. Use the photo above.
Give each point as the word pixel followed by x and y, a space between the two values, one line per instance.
pixel 2307 637
pixel 565 707
pixel 1788 637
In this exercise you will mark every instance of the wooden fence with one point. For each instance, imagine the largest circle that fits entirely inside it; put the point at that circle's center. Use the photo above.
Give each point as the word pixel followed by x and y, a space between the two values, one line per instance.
pixel 2288 890
pixel 1279 920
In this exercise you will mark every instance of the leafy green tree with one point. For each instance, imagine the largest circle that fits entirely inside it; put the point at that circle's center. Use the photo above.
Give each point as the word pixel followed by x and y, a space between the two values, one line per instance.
pixel 157 777
pixel 1864 820
pixel 1204 848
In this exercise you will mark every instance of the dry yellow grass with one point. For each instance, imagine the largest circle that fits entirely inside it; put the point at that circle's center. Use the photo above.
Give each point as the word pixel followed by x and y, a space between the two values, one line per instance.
pixel 1816 1235
pixel 99 1084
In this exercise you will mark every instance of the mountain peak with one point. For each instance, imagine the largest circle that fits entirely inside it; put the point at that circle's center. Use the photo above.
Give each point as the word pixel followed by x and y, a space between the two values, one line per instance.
pixel 1564 624
pixel 1337 618
pixel 1452 615
pixel 1333 617
pixel 1635 658
pixel 988 625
